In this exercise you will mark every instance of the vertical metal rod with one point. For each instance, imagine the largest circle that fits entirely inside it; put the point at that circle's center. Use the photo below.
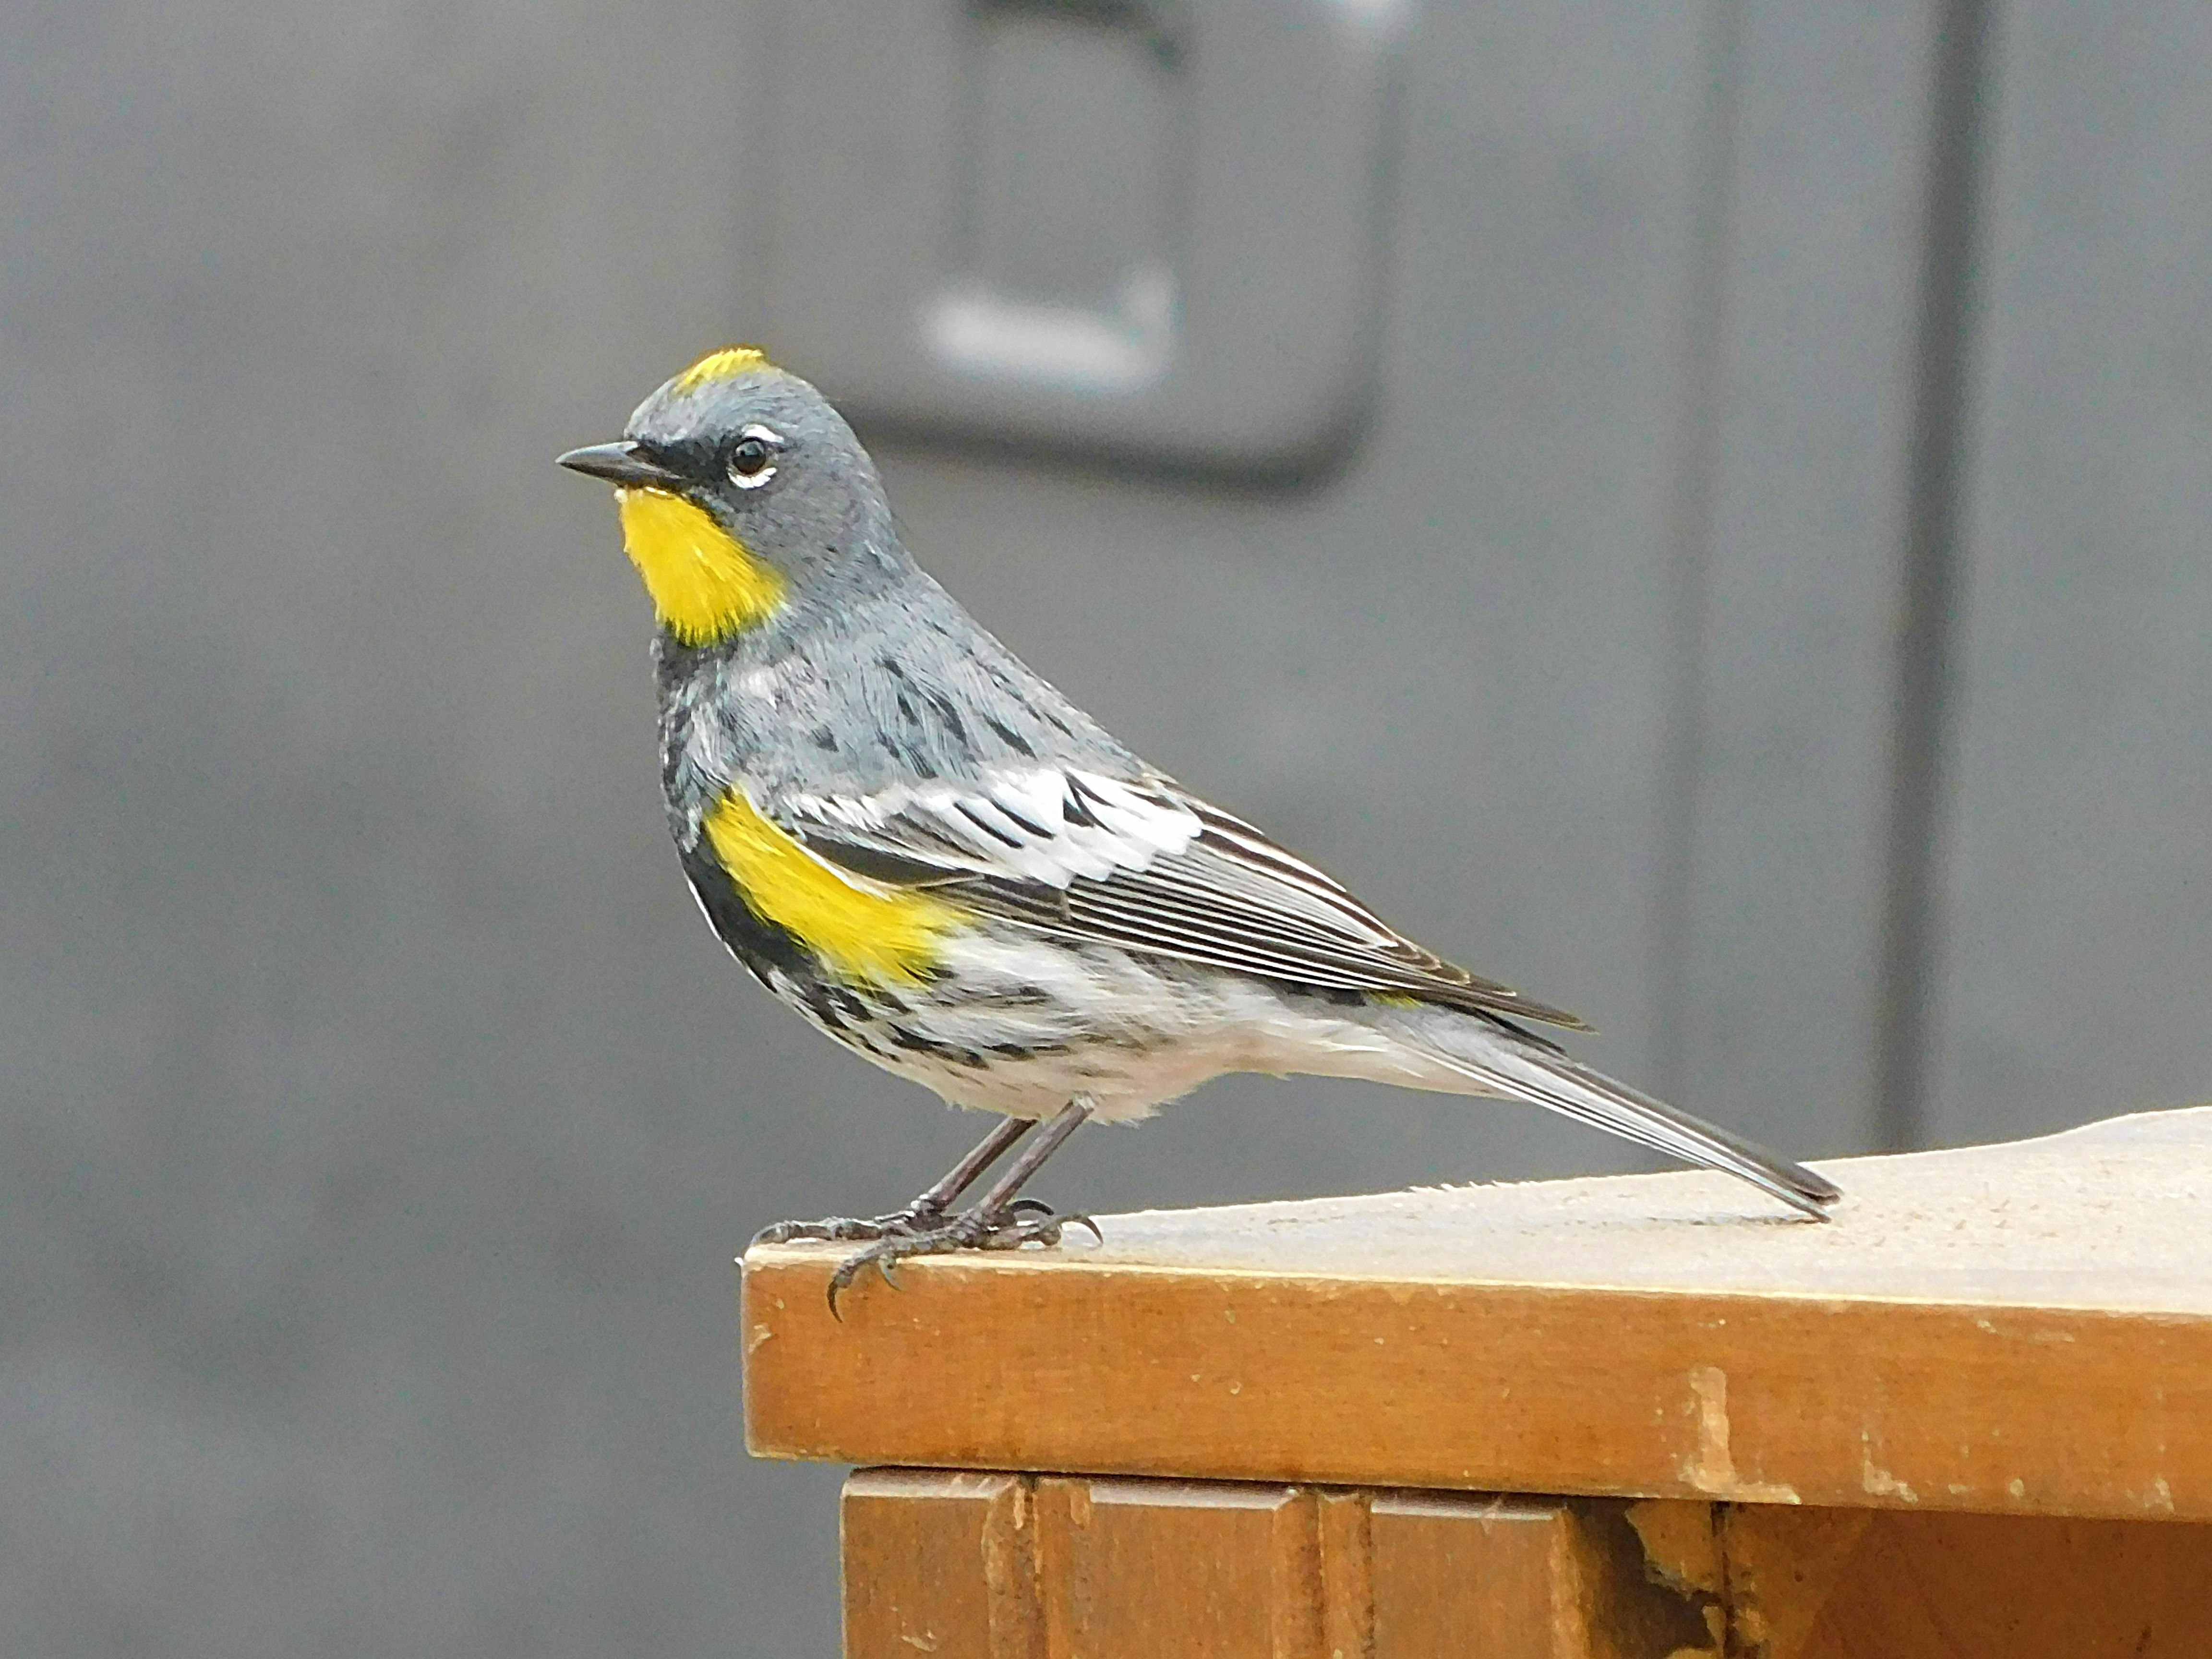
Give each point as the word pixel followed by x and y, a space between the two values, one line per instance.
pixel 1933 572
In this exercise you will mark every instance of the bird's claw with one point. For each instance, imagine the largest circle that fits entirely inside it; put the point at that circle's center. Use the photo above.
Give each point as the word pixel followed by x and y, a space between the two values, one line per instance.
pixel 1037 1206
pixel 1025 1221
pixel 841 1229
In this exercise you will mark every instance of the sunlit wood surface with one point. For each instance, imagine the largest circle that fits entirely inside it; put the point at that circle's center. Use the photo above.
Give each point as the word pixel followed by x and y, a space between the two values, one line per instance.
pixel 2024 1329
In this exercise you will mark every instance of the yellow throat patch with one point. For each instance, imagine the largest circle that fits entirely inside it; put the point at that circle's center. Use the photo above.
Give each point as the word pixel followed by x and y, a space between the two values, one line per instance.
pixel 706 584
pixel 863 929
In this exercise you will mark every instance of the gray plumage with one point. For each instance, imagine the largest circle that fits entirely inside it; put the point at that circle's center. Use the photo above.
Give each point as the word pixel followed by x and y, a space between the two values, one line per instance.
pixel 1118 940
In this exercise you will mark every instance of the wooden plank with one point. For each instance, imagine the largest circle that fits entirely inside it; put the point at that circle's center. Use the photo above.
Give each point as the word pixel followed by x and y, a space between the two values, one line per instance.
pixel 1057 1567
pixel 1812 1584
pixel 1067 1567
pixel 1780 1570
pixel 1517 1579
pixel 2024 1328
pixel 1139 1568
pixel 1503 1577
pixel 1455 1575
pixel 939 1563
pixel 1346 1530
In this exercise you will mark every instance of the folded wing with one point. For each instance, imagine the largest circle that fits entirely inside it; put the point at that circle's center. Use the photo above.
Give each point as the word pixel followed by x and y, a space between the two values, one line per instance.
pixel 1140 865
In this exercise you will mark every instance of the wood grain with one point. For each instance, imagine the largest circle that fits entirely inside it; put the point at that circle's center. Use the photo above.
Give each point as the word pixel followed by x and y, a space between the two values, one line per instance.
pixel 1457 1575
pixel 938 1562
pixel 1061 1567
pixel 2023 1329
pixel 1213 1570
pixel 1118 1568
pixel 1954 1586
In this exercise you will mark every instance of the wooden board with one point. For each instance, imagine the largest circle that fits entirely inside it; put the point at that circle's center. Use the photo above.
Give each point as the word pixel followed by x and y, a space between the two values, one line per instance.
pixel 1856 1584
pixel 1059 1567
pixel 939 1563
pixel 2024 1328
pixel 1937 1586
pixel 1003 1566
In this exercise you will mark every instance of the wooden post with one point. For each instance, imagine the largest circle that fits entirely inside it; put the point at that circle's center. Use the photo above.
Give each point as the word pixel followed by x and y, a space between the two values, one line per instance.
pixel 1973 1415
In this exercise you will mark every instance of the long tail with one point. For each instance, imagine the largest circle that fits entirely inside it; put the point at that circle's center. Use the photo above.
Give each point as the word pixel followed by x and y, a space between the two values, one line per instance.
pixel 1476 1057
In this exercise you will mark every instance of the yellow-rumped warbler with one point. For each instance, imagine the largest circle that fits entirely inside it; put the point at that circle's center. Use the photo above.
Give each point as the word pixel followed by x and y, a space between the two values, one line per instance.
pixel 948 868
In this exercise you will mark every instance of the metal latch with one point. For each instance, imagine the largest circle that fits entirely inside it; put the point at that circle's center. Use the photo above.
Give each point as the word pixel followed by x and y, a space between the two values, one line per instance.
pixel 1149 226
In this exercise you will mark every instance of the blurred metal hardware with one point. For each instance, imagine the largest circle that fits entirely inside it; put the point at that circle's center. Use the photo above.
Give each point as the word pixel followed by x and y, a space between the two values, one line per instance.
pixel 1136 227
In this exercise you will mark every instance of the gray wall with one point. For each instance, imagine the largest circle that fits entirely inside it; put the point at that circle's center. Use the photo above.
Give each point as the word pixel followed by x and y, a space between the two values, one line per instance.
pixel 382 1120
pixel 2079 903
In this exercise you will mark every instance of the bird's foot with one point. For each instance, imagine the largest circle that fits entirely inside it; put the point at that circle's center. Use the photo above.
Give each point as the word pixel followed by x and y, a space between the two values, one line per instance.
pixel 916 1217
pixel 1025 1221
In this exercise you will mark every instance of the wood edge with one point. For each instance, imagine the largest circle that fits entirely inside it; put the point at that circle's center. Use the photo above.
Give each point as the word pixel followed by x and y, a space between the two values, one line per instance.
pixel 963 1302
pixel 1042 1268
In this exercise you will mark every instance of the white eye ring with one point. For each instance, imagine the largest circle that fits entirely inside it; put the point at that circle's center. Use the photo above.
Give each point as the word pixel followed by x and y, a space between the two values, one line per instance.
pixel 757 440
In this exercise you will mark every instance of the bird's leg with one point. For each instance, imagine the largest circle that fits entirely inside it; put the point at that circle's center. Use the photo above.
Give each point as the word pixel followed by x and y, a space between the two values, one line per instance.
pixel 931 1205
pixel 1000 1220
pixel 928 1207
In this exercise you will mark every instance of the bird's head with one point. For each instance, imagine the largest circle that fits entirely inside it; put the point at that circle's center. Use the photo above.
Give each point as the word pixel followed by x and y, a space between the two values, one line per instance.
pixel 738 487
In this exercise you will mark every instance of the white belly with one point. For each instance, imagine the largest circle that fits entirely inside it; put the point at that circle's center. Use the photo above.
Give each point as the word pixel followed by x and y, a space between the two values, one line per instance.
pixel 1127 1032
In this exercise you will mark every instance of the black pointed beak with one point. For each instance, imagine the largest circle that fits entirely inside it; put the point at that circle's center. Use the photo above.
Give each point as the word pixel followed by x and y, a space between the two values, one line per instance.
pixel 622 462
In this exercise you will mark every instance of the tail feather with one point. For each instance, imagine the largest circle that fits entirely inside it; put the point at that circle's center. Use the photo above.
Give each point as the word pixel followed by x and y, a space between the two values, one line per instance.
pixel 1496 1063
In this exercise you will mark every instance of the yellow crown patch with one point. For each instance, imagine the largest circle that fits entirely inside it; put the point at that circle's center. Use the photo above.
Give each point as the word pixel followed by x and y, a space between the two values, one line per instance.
pixel 721 365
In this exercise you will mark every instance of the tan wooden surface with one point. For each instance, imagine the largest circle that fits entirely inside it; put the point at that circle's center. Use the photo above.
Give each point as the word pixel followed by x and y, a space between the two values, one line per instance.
pixel 1056 1567
pixel 939 1562
pixel 1808 1584
pixel 2018 1329
pixel 1000 1566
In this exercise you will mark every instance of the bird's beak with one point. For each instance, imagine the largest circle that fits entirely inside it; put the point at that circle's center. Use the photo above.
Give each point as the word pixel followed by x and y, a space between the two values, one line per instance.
pixel 622 462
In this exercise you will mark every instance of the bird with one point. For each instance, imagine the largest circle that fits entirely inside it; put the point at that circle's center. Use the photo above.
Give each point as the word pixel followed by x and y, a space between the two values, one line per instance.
pixel 945 866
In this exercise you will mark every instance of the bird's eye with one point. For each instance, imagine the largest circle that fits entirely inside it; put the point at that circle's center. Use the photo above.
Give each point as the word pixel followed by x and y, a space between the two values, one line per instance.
pixel 753 458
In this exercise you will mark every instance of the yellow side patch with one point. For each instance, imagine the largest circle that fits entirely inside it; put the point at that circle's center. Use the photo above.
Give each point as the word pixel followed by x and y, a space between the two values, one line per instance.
pixel 862 928
pixel 721 365
pixel 706 584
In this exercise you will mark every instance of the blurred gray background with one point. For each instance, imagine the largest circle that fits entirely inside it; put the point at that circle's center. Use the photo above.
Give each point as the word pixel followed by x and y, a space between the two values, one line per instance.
pixel 1767 613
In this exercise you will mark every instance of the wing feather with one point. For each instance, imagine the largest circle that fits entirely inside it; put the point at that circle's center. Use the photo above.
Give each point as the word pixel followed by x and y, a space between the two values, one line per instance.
pixel 1143 866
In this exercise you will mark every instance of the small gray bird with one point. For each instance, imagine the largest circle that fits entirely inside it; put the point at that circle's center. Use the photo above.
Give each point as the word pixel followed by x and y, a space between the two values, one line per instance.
pixel 950 869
